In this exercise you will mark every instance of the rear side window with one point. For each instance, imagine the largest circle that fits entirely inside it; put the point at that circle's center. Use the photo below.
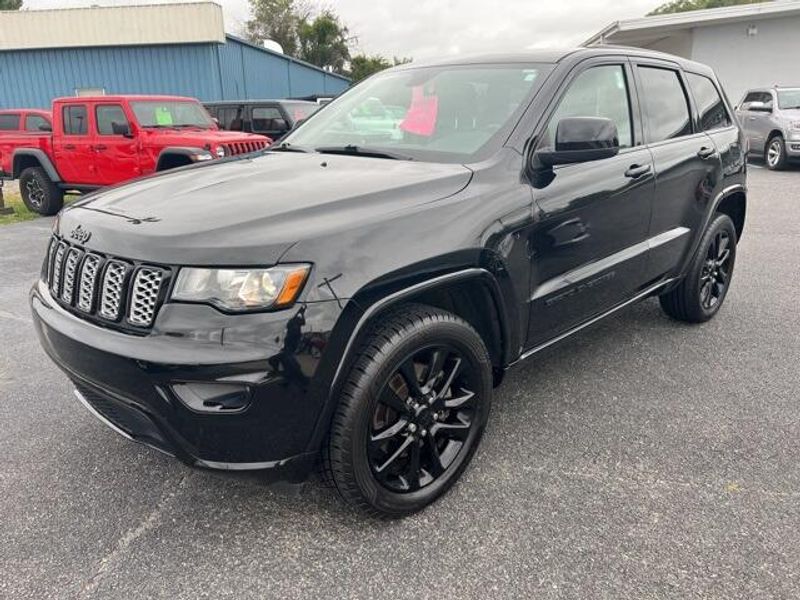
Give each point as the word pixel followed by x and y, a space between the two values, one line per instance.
pixel 9 122
pixel 35 123
pixel 597 92
pixel 75 120
pixel 111 120
pixel 666 111
pixel 266 119
pixel 713 114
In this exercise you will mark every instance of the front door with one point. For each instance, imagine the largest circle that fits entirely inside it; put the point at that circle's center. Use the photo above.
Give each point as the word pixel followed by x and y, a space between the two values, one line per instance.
pixel 72 146
pixel 589 249
pixel 116 156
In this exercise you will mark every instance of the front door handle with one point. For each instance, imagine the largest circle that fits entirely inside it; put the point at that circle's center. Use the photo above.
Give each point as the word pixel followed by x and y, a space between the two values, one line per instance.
pixel 706 152
pixel 636 171
pixel 69 147
pixel 100 147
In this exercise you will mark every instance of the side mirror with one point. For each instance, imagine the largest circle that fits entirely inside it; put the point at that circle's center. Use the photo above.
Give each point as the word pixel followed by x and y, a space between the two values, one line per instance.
pixel 759 107
pixel 581 139
pixel 121 129
pixel 45 127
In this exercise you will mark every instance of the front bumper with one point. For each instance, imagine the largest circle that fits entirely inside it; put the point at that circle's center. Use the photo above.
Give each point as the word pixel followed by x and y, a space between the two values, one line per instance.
pixel 134 383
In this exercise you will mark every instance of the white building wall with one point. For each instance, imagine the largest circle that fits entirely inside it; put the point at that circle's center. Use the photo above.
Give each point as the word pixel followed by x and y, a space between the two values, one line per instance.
pixel 770 57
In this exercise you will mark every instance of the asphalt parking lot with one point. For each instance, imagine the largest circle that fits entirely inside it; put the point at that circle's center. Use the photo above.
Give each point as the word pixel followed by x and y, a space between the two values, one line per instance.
pixel 639 459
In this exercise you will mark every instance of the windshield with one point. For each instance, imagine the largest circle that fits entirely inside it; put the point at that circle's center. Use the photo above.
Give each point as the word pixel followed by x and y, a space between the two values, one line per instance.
pixel 789 98
pixel 439 114
pixel 300 110
pixel 172 113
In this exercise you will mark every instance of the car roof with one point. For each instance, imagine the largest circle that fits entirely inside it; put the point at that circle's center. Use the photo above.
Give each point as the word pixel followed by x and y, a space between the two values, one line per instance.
pixel 258 101
pixel 125 97
pixel 553 56
pixel 29 111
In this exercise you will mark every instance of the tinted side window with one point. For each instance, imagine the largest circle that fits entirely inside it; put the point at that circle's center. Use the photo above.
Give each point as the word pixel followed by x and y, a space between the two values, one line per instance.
pixel 597 92
pixel 76 120
pixel 713 114
pixel 666 111
pixel 9 122
pixel 107 116
pixel 230 117
pixel 266 119
pixel 35 123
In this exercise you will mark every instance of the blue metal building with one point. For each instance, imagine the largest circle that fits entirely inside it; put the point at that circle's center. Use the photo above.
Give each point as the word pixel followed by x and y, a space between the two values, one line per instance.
pixel 225 68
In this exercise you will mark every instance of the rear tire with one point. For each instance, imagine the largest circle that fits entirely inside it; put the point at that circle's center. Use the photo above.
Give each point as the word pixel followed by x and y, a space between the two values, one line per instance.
pixel 39 193
pixel 775 155
pixel 411 413
pixel 702 291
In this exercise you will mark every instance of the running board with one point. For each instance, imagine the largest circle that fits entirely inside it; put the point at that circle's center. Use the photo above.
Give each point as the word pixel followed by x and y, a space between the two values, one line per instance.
pixel 640 296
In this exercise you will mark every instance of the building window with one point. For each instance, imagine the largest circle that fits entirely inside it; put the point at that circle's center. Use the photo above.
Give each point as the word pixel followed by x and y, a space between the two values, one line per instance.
pixel 666 110
pixel 75 120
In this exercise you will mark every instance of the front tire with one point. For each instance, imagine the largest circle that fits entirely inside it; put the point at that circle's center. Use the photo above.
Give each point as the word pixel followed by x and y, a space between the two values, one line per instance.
pixel 39 193
pixel 776 153
pixel 411 413
pixel 701 293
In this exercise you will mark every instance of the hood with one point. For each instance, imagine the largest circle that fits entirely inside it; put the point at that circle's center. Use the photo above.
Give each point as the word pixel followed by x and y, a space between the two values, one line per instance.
pixel 249 211
pixel 201 137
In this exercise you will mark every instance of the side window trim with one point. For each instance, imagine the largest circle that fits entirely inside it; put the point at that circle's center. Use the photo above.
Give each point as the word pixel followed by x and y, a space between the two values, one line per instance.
pixel 696 109
pixel 577 70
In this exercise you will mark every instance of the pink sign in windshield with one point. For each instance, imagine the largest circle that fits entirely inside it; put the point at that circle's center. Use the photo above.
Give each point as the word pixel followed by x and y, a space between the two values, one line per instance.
pixel 421 116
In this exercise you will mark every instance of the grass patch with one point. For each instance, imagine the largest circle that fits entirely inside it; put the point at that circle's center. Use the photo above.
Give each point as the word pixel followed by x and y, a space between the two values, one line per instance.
pixel 21 213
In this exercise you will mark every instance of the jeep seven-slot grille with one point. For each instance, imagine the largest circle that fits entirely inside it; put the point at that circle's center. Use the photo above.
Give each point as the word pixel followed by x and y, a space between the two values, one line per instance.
pixel 235 148
pixel 111 289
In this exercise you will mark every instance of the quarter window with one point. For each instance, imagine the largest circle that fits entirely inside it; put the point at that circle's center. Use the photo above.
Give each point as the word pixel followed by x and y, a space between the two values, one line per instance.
pixel 111 115
pixel 597 92
pixel 75 120
pixel 666 111
pixel 9 122
pixel 35 123
pixel 713 114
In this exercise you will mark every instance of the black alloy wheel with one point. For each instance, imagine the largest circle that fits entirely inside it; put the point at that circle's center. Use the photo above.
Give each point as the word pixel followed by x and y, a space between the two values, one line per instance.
pixel 715 273
pixel 411 412
pixel 701 292
pixel 422 418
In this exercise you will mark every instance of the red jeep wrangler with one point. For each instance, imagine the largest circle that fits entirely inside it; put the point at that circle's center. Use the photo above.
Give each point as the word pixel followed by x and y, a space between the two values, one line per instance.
pixel 103 140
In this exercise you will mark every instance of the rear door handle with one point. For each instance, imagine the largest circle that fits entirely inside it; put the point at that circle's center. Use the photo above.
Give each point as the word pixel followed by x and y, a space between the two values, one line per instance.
pixel 636 171
pixel 101 147
pixel 706 152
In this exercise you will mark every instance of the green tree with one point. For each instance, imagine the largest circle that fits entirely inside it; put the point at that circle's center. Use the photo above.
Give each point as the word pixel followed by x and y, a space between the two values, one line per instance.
pixel 324 41
pixel 677 6
pixel 362 66
pixel 10 4
pixel 276 20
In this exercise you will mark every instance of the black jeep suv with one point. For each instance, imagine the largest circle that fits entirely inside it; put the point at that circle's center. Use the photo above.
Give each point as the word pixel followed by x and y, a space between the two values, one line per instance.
pixel 351 296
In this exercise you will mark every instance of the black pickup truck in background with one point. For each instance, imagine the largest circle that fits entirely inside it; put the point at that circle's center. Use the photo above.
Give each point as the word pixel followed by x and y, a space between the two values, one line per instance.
pixel 273 118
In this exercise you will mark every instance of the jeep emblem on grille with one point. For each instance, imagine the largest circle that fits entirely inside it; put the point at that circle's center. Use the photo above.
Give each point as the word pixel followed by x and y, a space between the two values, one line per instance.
pixel 80 235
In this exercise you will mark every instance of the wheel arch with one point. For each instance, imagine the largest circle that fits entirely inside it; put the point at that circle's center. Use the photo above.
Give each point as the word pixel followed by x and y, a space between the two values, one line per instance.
pixel 25 158
pixel 770 135
pixel 490 311
pixel 734 205
pixel 173 157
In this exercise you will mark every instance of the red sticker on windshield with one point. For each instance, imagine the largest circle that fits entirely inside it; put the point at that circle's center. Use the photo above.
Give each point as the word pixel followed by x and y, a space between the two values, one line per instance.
pixel 421 116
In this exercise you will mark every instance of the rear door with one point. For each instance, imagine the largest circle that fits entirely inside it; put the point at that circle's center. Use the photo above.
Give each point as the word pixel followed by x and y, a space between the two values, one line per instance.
pixel 589 250
pixel 116 154
pixel 73 145
pixel 686 162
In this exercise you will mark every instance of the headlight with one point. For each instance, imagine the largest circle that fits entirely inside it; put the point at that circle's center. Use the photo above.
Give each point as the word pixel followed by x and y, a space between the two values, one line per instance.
pixel 202 156
pixel 220 151
pixel 241 290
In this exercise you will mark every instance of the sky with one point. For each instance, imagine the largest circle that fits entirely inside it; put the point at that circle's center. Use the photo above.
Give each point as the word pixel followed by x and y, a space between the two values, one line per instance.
pixel 434 28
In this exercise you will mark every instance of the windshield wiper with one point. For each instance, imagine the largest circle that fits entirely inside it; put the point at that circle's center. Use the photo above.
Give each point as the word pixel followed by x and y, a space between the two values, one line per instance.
pixel 287 147
pixel 353 150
